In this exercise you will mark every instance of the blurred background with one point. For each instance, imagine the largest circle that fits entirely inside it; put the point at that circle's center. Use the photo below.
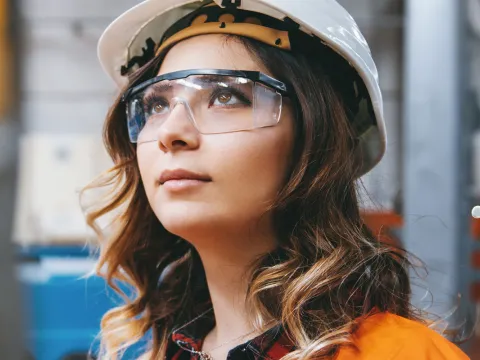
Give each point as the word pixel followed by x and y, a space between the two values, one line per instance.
pixel 53 101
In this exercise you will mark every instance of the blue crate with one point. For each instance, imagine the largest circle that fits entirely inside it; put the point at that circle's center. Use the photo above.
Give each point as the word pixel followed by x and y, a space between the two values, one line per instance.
pixel 62 309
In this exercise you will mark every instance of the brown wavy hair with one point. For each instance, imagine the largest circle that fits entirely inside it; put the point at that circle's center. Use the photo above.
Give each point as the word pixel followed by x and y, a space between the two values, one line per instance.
pixel 328 270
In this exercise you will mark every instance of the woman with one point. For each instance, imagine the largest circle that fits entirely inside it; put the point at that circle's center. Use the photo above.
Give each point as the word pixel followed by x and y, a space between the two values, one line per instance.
pixel 237 138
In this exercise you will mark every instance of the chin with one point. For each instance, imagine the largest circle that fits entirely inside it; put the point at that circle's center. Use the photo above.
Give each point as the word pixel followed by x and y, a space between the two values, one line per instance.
pixel 187 222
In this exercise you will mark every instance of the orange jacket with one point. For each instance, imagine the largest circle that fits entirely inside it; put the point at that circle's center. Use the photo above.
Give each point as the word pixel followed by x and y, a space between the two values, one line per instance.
pixel 386 336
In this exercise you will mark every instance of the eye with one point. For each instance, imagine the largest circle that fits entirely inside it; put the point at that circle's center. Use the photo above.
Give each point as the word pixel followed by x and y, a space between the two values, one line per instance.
pixel 155 106
pixel 158 108
pixel 224 98
pixel 229 98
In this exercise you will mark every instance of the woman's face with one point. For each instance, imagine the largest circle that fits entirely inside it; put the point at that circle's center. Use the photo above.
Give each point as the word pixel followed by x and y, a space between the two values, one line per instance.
pixel 245 169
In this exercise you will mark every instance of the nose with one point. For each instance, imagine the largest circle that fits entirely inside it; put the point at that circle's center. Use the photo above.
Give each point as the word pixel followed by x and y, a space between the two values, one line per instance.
pixel 178 131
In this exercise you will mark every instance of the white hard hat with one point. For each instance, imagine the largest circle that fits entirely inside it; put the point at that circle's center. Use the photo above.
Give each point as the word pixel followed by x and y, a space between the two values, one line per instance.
pixel 135 37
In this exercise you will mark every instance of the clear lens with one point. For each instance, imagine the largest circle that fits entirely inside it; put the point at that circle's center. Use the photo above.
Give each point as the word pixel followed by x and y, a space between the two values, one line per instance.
pixel 213 103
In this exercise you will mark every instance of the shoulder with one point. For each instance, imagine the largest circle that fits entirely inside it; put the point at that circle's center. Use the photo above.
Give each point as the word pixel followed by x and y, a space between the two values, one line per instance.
pixel 390 337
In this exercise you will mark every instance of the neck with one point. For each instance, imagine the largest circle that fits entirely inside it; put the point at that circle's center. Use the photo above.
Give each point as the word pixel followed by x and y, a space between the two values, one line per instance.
pixel 228 269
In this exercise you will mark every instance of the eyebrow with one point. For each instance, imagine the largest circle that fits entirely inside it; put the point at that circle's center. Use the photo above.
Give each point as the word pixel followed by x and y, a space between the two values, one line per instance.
pixel 168 85
pixel 211 78
pixel 214 78
pixel 161 86
pixel 158 87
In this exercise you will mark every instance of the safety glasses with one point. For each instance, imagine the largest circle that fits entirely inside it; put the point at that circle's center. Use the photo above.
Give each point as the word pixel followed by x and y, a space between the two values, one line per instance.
pixel 214 101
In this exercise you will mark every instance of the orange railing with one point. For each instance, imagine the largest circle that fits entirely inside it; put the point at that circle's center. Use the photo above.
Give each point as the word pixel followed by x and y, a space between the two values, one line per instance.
pixel 381 224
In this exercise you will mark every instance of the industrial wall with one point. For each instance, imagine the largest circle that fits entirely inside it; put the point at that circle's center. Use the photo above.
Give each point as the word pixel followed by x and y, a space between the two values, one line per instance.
pixel 65 96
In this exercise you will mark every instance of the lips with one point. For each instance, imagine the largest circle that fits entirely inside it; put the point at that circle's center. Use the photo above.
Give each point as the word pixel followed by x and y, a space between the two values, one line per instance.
pixel 181 174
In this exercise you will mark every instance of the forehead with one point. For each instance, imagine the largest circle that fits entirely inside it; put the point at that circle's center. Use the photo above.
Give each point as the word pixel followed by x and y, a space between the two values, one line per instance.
pixel 213 51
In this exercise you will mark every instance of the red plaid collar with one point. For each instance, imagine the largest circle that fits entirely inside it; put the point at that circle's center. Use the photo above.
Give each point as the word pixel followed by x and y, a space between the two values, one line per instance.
pixel 271 345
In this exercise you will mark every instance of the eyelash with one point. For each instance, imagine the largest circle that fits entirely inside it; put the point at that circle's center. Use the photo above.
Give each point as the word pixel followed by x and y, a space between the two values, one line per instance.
pixel 150 100
pixel 238 93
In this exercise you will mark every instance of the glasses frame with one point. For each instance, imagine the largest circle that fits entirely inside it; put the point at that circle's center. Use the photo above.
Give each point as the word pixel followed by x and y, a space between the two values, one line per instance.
pixel 255 76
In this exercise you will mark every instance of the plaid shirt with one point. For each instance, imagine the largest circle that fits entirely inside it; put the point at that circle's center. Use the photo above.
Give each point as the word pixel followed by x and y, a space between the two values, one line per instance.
pixel 379 337
pixel 272 345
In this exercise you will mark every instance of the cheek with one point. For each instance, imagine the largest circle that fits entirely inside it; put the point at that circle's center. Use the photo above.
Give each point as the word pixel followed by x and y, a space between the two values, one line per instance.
pixel 256 164
pixel 260 161
pixel 146 155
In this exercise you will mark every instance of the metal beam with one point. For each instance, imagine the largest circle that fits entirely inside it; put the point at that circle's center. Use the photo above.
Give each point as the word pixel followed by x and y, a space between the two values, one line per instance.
pixel 432 161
